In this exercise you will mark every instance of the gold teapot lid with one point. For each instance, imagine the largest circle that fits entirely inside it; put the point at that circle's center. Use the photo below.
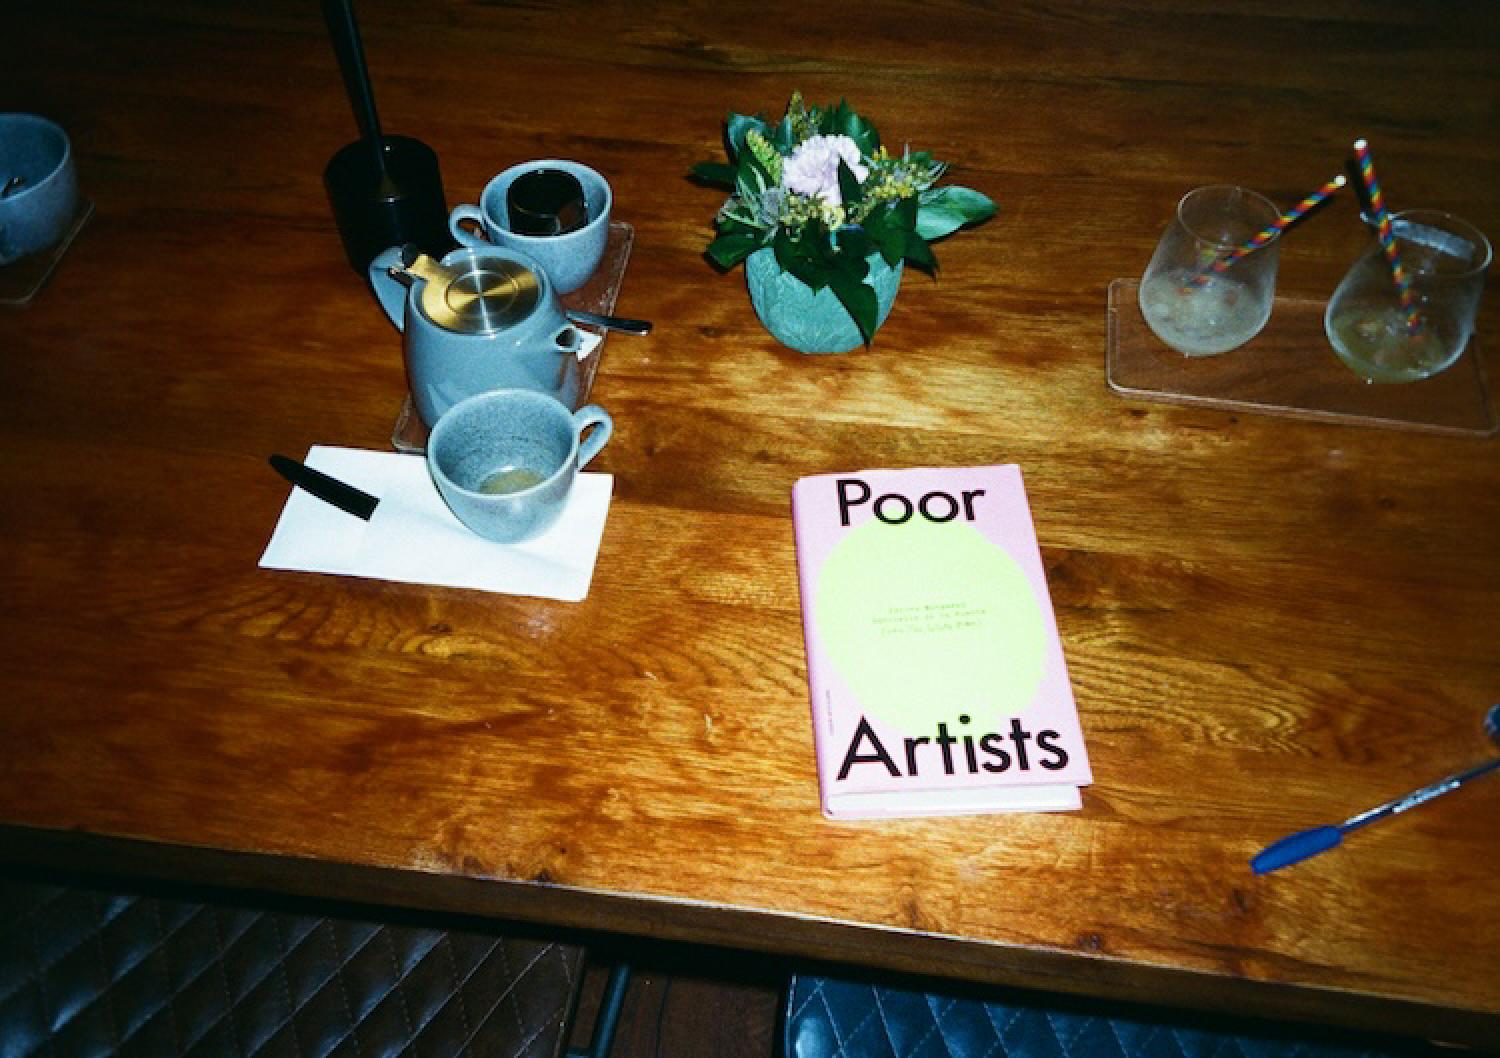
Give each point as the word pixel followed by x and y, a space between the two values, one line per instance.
pixel 478 295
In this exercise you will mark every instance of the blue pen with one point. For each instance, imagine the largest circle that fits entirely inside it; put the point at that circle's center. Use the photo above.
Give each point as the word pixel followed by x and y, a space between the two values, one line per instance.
pixel 1300 846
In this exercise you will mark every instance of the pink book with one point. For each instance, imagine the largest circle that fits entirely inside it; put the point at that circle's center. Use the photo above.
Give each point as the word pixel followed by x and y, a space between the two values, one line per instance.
pixel 935 669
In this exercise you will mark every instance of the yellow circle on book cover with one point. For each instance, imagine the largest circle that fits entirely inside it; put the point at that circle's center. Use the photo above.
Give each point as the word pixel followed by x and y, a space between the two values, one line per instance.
pixel 925 620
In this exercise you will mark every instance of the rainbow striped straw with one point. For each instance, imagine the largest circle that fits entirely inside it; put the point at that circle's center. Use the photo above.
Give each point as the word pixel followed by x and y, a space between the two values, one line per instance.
pixel 1276 227
pixel 1386 235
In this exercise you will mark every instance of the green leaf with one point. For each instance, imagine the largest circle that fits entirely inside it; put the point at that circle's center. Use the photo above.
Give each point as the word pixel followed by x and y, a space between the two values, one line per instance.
pixel 888 238
pixel 785 250
pixel 828 120
pixel 904 214
pixel 946 209
pixel 798 257
pixel 782 135
pixel 750 177
pixel 849 187
pixel 737 127
pixel 854 246
pixel 718 173
pixel 862 132
pixel 730 249
pixel 785 245
pixel 919 253
pixel 859 299
pixel 735 226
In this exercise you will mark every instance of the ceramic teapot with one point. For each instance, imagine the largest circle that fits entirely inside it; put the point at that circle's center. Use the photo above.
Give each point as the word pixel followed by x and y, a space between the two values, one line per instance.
pixel 475 321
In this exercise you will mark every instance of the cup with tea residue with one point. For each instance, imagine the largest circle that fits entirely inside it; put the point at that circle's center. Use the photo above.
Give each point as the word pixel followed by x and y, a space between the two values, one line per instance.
pixel 1383 337
pixel 505 460
pixel 1194 307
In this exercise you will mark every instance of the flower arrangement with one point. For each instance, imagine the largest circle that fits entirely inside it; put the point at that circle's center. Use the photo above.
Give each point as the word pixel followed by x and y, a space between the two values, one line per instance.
pixel 819 191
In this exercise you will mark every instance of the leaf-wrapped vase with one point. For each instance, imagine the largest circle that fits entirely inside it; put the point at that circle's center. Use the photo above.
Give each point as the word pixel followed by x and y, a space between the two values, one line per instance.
pixel 808 321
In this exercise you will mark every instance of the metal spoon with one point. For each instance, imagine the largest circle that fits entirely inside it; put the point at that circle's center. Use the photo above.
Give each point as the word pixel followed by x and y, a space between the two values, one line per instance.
pixel 1308 843
pixel 623 324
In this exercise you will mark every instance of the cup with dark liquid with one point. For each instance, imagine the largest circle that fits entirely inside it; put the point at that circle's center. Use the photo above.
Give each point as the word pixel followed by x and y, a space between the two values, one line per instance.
pixel 554 211
pixel 546 202
pixel 505 460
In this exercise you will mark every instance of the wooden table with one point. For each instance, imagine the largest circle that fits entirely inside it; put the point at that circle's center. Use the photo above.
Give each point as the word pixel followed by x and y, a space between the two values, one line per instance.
pixel 1269 623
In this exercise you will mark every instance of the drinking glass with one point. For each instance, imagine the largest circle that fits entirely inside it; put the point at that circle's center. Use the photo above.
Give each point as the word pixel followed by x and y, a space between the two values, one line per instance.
pixel 1444 259
pixel 1192 306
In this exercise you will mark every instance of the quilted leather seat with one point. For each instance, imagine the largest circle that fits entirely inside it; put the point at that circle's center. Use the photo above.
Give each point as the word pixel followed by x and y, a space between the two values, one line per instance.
pixel 88 972
pixel 829 1017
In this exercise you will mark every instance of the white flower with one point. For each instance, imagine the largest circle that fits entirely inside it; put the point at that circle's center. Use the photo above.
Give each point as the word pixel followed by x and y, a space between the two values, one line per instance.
pixel 813 168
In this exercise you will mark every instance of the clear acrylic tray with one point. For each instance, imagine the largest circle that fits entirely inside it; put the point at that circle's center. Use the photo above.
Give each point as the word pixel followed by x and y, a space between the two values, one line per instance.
pixel 598 295
pixel 1289 369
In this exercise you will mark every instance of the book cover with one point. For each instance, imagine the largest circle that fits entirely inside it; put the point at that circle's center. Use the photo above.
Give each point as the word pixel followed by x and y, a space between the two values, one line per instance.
pixel 935 670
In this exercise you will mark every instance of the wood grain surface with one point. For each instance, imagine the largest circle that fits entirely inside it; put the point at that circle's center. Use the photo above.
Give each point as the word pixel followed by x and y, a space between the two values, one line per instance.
pixel 1270 624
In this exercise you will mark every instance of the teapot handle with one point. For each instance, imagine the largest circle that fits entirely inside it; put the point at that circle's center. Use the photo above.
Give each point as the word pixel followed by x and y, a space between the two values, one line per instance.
pixel 390 291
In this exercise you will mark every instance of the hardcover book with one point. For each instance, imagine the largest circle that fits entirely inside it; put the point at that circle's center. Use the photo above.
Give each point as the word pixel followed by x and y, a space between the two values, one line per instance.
pixel 936 673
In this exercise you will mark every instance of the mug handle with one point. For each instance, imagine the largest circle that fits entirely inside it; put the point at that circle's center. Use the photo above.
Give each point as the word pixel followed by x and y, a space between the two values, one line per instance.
pixel 465 237
pixel 598 418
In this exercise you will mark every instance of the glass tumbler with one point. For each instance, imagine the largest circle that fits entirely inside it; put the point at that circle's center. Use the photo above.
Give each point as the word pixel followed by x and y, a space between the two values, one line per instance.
pixel 1375 334
pixel 1198 309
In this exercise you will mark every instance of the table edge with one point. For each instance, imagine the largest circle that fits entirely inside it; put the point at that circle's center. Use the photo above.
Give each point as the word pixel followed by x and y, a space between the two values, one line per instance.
pixel 819 940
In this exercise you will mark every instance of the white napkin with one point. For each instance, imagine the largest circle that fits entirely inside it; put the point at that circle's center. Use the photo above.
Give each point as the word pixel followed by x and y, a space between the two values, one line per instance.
pixel 415 539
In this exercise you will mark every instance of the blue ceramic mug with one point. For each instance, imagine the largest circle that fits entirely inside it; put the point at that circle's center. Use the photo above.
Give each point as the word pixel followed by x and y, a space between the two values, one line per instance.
pixel 570 258
pixel 36 165
pixel 505 461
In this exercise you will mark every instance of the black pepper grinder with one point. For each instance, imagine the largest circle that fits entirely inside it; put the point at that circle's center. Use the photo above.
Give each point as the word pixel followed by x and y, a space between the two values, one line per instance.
pixel 385 190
